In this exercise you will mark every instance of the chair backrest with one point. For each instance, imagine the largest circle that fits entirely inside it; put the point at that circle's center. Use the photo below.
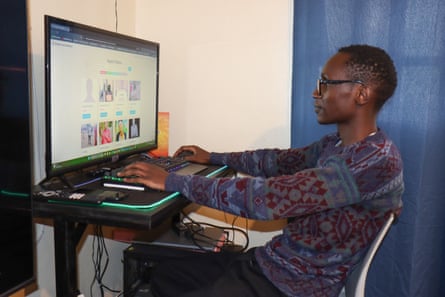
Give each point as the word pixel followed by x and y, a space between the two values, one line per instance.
pixel 355 284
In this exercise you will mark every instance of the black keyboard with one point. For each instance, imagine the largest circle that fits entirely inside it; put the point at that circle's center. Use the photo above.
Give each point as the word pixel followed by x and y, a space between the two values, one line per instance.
pixel 169 164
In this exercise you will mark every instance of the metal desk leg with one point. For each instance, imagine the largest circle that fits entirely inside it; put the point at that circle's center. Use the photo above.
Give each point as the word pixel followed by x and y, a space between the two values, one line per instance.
pixel 66 237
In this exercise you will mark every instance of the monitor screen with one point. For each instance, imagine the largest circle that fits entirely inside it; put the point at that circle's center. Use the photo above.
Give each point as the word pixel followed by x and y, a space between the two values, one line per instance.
pixel 101 95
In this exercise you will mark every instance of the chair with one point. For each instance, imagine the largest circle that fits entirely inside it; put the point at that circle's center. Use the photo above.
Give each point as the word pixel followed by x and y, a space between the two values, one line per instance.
pixel 356 282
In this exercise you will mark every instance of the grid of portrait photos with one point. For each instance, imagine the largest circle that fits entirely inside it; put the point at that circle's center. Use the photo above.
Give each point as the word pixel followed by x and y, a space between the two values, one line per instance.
pixel 109 111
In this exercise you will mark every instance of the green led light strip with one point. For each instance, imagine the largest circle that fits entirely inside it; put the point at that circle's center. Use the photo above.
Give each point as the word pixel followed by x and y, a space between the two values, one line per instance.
pixel 217 171
pixel 169 197
pixel 14 194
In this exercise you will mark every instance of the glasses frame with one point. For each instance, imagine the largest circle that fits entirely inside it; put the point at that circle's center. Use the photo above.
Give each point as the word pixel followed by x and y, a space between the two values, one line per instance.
pixel 322 81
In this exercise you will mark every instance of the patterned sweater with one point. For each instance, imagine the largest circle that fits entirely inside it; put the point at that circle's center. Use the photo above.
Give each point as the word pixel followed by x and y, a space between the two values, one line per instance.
pixel 336 198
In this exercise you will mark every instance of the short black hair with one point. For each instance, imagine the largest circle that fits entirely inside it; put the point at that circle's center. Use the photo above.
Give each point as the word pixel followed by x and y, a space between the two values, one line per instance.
pixel 374 67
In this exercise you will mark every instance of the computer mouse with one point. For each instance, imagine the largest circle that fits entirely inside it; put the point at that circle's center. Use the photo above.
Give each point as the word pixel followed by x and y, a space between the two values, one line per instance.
pixel 185 153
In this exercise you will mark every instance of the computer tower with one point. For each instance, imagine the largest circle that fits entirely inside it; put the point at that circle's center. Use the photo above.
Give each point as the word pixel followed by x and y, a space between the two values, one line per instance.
pixel 141 258
pixel 139 262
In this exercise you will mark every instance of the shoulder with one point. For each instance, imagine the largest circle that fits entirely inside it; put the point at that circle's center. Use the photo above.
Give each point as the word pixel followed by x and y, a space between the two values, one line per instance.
pixel 377 151
pixel 383 145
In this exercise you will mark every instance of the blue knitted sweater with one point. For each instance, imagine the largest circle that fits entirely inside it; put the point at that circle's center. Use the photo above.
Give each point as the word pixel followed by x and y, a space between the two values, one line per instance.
pixel 336 197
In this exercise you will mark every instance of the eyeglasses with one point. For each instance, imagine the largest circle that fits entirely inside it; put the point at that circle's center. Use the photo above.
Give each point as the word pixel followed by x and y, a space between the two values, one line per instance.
pixel 334 82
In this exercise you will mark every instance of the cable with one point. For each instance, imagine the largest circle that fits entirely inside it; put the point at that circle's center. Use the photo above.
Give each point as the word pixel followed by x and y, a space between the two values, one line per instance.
pixel 235 218
pixel 233 226
pixel 99 250
pixel 199 238
pixel 115 13
pixel 195 227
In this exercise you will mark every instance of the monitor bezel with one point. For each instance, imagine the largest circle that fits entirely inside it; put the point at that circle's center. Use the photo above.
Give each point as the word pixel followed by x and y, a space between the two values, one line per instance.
pixel 50 170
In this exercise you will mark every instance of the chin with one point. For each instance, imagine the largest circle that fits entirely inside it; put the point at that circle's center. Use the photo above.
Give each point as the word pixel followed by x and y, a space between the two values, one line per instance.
pixel 322 121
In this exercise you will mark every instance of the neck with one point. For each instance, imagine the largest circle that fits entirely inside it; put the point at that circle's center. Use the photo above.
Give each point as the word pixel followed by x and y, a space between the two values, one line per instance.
pixel 349 136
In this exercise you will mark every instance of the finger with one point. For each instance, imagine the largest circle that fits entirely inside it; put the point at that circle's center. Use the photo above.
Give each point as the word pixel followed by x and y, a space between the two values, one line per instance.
pixel 180 150
pixel 134 169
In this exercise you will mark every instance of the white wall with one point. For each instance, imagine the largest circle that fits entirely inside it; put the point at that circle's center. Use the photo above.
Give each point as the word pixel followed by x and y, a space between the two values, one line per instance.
pixel 225 70
pixel 225 79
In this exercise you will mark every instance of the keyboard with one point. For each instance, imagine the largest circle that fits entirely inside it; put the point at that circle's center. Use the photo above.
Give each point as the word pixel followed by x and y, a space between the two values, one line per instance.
pixel 169 164
pixel 178 165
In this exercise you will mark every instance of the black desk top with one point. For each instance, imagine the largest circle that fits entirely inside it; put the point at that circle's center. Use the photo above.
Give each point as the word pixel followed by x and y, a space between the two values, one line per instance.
pixel 113 215
pixel 109 215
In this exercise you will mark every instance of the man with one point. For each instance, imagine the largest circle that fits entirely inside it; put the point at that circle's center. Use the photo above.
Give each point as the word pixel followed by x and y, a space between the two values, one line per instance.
pixel 338 192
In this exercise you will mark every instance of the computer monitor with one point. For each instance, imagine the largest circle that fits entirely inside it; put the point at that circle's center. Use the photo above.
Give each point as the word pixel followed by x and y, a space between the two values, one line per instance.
pixel 101 95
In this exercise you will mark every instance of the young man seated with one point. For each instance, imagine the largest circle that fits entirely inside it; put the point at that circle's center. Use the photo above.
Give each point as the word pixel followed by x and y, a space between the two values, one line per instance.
pixel 338 192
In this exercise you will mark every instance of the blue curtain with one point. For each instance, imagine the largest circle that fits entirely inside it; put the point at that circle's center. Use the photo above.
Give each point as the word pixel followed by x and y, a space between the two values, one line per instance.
pixel 411 261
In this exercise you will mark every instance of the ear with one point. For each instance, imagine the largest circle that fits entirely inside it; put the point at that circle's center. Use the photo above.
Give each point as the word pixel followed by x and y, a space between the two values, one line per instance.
pixel 363 95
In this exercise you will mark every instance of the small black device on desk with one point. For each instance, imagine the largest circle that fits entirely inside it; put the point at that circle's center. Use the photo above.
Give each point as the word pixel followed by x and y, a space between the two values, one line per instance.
pixel 87 196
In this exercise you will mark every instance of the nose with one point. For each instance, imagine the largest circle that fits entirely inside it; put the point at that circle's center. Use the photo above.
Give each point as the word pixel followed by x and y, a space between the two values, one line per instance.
pixel 315 94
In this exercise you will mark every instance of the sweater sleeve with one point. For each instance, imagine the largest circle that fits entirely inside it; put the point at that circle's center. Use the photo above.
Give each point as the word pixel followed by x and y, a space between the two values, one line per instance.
pixel 270 162
pixel 307 191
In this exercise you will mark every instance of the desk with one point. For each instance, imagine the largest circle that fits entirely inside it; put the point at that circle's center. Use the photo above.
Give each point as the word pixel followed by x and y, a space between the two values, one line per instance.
pixel 71 220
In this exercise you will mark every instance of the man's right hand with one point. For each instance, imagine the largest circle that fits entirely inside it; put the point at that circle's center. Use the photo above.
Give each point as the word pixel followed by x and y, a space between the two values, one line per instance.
pixel 193 153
